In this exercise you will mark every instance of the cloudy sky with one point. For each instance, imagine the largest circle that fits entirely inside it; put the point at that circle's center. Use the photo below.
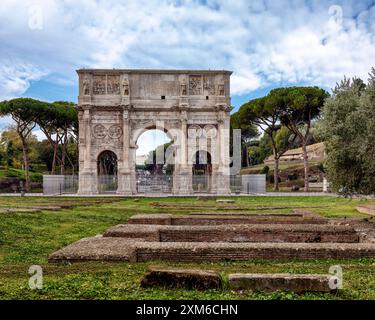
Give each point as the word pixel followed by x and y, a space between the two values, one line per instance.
pixel 266 43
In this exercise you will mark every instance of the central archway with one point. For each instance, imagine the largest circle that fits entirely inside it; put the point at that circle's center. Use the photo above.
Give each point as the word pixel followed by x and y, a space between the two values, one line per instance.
pixel 154 161
pixel 107 172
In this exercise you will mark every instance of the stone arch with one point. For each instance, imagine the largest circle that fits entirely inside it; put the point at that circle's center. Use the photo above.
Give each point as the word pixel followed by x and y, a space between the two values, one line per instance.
pixel 138 131
pixel 107 171
pixel 134 101
pixel 169 130
pixel 107 149
pixel 157 176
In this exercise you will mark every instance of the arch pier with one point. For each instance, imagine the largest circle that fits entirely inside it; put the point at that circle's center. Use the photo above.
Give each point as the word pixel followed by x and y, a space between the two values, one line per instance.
pixel 116 106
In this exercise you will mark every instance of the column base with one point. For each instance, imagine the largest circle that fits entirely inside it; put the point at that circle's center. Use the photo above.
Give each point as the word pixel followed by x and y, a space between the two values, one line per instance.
pixel 183 184
pixel 87 183
pixel 125 184
pixel 222 184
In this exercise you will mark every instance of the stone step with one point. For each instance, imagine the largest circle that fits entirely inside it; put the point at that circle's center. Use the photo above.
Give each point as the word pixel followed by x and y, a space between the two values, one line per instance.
pixel 121 249
pixel 170 219
pixel 236 233
pixel 297 283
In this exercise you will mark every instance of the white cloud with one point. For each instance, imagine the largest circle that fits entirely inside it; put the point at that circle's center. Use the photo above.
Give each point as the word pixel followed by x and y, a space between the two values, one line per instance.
pixel 15 77
pixel 39 134
pixel 149 140
pixel 263 42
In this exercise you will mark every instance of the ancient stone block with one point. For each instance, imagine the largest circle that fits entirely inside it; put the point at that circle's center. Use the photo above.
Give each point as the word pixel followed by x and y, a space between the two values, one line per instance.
pixel 284 282
pixel 181 278
pixel 96 248
pixel 367 210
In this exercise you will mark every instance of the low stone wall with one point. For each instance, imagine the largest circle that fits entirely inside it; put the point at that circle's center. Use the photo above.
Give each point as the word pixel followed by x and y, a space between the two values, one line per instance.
pixel 121 249
pixel 161 219
pixel 199 252
pixel 169 219
pixel 246 214
pixel 236 233
pixel 135 231
pixel 260 233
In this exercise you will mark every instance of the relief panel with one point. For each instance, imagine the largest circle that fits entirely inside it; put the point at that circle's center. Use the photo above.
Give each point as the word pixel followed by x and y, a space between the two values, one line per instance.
pixel 113 85
pixel 195 85
pixel 208 86
pixel 98 86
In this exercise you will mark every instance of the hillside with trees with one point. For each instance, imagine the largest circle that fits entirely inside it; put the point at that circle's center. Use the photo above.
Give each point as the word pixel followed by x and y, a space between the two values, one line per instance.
pixel 285 116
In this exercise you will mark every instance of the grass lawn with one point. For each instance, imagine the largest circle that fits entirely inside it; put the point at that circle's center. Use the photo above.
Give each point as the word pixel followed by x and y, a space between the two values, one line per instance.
pixel 28 238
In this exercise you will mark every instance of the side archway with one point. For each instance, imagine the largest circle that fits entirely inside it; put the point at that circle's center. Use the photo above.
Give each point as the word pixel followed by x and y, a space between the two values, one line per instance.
pixel 107 168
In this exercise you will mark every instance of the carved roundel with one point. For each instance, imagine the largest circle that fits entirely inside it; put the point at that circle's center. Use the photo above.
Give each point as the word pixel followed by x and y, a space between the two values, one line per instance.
pixel 115 132
pixel 194 131
pixel 99 131
pixel 209 131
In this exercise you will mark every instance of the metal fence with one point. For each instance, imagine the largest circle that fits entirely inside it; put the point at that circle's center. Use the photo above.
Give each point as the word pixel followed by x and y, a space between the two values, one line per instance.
pixel 201 183
pixel 253 183
pixel 154 184
pixel 236 184
pixel 60 184
pixel 107 183
pixel 239 184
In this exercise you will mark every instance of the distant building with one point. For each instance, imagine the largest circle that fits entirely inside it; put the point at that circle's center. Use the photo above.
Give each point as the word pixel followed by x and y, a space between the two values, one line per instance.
pixel 140 160
pixel 314 152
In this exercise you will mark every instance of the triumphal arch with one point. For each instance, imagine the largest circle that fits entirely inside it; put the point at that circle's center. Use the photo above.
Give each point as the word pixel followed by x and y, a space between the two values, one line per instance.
pixel 116 106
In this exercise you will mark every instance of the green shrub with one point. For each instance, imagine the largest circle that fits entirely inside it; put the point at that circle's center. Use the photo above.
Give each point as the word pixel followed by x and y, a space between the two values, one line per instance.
pixel 265 170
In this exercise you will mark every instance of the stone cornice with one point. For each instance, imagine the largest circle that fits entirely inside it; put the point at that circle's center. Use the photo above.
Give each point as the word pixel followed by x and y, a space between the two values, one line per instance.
pixel 152 71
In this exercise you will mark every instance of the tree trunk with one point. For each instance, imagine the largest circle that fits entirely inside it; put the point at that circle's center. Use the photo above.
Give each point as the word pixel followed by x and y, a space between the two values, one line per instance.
pixel 276 174
pixel 62 167
pixel 55 146
pixel 63 153
pixel 276 169
pixel 306 165
pixel 247 156
pixel 25 152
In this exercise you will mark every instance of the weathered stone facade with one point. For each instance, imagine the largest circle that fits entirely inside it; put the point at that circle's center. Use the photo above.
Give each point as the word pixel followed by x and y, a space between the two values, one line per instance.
pixel 117 106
